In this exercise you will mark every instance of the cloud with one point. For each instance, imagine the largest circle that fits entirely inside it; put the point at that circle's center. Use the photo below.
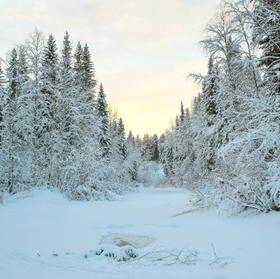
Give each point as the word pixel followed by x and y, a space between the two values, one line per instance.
pixel 128 23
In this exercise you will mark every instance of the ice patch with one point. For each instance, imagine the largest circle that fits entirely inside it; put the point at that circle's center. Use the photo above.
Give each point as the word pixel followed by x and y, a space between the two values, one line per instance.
pixel 121 240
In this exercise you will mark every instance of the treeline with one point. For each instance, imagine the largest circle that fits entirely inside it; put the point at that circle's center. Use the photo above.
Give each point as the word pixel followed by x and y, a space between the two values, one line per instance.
pixel 227 149
pixel 56 127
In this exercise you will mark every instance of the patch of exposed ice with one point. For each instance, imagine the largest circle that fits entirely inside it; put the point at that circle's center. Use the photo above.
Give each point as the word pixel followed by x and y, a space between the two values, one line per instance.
pixel 121 240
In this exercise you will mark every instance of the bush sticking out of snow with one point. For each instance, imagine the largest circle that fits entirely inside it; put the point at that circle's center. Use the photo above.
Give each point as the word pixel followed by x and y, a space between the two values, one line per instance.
pixel 119 254
pixel 171 257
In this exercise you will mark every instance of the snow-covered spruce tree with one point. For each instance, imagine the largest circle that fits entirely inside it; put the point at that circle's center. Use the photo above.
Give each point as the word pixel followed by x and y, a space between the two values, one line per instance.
pixel 46 131
pixel 174 146
pixel 3 95
pixel 202 132
pixel 184 139
pixel 131 139
pixel 134 156
pixel 114 171
pixel 102 113
pixel 16 124
pixel 182 112
pixel 122 139
pixel 146 150
pixel 155 148
pixel 167 153
pixel 209 93
pixel 84 127
pixel 88 72
pixel 68 118
pixel 266 20
pixel 9 133
pixel 185 150
pixel 113 134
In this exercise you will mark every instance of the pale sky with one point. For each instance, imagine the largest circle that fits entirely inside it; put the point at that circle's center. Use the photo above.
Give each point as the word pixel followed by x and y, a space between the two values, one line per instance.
pixel 142 49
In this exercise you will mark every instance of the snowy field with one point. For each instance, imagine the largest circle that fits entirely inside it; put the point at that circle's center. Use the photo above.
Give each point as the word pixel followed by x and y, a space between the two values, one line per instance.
pixel 46 236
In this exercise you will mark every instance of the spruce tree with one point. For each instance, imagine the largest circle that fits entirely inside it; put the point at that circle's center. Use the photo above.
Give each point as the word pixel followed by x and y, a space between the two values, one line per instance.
pixel 9 115
pixel 66 61
pixel 155 148
pixel 177 122
pixel 50 60
pixel 101 103
pixel 89 129
pixel 22 65
pixel 209 92
pixel 46 111
pixel 71 137
pixel 182 114
pixel 12 77
pixel 85 87
pixel 49 81
pixel 102 112
pixel 88 73
pixel 2 77
pixel 122 141
pixel 187 114
pixel 2 160
pixel 267 21
pixel 67 100
pixel 2 96
pixel 146 148
pixel 131 139
pixel 78 64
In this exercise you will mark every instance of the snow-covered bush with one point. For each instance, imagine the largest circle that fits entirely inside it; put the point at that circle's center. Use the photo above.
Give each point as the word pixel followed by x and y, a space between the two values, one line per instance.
pixel 119 254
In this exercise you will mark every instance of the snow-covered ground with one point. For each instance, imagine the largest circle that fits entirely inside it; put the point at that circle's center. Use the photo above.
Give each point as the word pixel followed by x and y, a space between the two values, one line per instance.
pixel 45 236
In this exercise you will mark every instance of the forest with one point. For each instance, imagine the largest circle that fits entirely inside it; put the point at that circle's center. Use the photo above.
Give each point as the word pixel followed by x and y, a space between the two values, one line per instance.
pixel 57 129
pixel 226 148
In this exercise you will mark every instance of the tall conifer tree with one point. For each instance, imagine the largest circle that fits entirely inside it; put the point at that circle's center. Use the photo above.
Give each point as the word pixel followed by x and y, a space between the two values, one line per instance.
pixel 122 141
pixel 47 129
pixel 102 112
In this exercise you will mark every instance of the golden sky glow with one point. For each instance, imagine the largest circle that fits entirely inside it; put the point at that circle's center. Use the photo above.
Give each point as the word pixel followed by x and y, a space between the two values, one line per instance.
pixel 142 49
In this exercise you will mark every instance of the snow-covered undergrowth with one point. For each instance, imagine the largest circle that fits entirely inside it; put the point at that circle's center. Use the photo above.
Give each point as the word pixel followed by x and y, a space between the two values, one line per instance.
pixel 151 174
pixel 44 235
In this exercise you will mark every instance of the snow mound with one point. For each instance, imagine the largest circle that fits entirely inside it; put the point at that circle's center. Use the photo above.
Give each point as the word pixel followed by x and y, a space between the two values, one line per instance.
pixel 123 240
